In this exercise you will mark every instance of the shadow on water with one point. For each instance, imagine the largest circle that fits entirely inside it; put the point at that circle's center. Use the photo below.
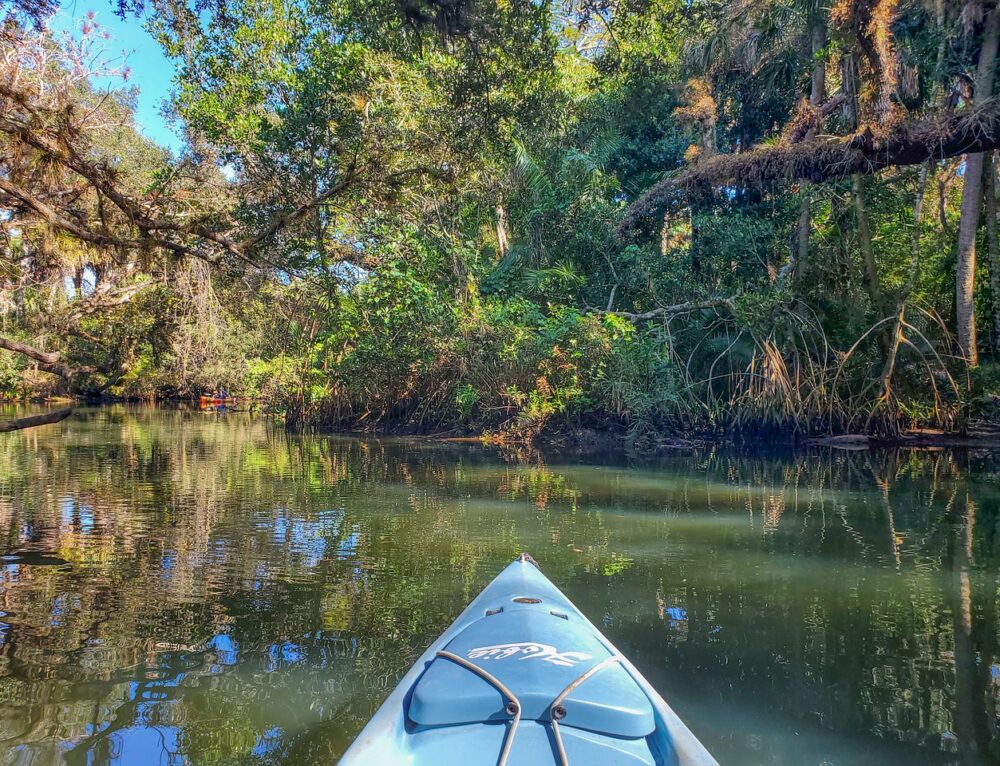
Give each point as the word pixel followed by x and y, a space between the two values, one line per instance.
pixel 180 587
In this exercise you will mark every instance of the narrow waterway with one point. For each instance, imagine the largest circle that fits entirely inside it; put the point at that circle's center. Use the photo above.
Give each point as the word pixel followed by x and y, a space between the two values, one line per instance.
pixel 179 587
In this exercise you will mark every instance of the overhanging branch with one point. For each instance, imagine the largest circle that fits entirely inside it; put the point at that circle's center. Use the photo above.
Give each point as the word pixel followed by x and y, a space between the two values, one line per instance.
pixel 157 231
pixel 824 158
pixel 46 361
pixel 18 424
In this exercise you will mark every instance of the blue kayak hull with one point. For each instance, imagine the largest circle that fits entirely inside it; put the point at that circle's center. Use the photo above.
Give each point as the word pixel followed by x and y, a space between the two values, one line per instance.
pixel 522 677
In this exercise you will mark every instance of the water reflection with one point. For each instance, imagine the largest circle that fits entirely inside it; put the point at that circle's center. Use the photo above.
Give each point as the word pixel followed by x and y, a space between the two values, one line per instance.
pixel 188 588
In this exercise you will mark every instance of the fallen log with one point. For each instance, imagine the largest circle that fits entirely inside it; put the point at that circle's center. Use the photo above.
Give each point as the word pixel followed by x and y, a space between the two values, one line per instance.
pixel 31 421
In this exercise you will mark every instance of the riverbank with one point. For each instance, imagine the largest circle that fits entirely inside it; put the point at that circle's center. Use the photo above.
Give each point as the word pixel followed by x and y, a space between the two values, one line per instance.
pixel 570 439
pixel 583 441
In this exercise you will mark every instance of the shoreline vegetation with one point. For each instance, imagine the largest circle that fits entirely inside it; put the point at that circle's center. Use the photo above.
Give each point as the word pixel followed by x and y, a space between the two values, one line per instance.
pixel 564 440
pixel 661 220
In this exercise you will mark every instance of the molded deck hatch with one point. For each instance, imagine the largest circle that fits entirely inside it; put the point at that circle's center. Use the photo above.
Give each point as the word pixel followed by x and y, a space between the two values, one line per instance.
pixel 536 655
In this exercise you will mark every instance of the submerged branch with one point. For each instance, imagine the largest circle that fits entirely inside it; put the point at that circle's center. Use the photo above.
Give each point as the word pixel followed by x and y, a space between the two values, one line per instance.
pixel 18 424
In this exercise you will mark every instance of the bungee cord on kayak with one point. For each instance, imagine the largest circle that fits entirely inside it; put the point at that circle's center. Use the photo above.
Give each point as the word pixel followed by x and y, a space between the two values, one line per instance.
pixel 522 677
pixel 558 712
pixel 513 707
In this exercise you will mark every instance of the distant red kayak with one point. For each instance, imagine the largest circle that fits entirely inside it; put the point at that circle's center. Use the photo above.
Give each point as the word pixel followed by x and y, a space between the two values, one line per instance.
pixel 209 401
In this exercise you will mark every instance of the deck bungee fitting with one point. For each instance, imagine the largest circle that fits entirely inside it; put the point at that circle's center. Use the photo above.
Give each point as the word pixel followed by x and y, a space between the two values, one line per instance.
pixel 522 678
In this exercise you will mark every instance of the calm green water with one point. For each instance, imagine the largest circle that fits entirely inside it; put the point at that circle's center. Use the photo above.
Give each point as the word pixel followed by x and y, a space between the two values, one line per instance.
pixel 182 588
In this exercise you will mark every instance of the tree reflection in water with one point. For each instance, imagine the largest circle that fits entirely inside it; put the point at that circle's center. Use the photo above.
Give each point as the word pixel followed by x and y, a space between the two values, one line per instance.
pixel 186 588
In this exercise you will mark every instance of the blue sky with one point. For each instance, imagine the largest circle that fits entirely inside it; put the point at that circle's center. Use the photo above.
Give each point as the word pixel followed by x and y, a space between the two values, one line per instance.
pixel 152 72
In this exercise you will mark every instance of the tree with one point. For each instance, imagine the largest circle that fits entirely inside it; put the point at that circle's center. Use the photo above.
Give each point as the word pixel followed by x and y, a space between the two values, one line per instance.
pixel 889 65
pixel 88 202
pixel 645 213
pixel 972 197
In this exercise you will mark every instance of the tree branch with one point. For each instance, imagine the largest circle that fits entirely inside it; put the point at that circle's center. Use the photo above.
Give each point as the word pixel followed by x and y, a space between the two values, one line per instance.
pixel 6 426
pixel 297 213
pixel 53 218
pixel 824 158
pixel 46 361
pixel 45 357
pixel 50 216
pixel 820 113
pixel 670 311
pixel 103 299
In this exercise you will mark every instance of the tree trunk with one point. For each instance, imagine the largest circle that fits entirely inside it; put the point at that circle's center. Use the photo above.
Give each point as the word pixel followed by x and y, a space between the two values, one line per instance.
pixel 503 234
pixel 870 278
pixel 965 270
pixel 805 221
pixel 970 722
pixel 992 242
pixel 972 200
pixel 817 95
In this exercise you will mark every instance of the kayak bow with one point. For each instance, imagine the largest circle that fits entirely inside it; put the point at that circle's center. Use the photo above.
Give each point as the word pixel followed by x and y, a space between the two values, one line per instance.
pixel 522 677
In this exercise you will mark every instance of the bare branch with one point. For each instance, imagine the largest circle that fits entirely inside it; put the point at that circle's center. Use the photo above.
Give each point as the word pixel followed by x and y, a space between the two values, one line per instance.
pixel 46 361
pixel 671 311
pixel 18 424
pixel 54 219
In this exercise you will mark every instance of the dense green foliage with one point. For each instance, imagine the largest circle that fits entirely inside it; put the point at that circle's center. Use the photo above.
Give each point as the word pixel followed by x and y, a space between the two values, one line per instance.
pixel 446 203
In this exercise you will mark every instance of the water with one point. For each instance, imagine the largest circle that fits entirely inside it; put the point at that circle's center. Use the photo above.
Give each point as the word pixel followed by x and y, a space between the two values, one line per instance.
pixel 186 588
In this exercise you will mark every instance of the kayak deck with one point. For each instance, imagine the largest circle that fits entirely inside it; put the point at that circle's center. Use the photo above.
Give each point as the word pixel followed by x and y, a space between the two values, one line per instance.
pixel 522 677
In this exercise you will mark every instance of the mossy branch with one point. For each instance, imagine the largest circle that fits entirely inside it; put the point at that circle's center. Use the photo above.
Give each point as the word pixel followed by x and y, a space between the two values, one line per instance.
pixel 824 158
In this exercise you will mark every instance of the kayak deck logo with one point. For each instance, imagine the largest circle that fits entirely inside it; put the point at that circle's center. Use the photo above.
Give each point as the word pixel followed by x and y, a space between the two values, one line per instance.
pixel 528 650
